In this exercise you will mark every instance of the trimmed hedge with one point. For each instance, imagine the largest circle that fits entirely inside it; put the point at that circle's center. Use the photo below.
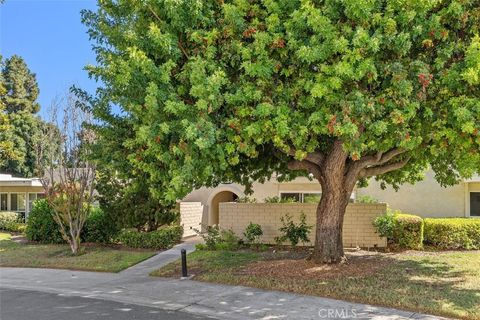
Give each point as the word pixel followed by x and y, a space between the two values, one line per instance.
pixel 408 231
pixel 10 221
pixel 452 233
pixel 163 238
pixel 403 230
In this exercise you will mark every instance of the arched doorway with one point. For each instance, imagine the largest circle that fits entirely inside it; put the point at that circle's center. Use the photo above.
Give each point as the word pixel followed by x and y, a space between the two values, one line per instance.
pixel 223 194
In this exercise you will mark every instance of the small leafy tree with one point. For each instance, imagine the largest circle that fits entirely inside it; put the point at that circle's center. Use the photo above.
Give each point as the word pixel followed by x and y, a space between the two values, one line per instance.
pixel 253 232
pixel 69 178
pixel 294 232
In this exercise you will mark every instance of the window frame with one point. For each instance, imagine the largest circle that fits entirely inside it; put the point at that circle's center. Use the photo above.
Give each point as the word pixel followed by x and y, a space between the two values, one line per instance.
pixel 302 194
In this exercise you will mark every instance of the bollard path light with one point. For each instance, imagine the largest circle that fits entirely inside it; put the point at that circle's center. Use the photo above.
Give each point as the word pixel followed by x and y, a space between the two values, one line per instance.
pixel 184 264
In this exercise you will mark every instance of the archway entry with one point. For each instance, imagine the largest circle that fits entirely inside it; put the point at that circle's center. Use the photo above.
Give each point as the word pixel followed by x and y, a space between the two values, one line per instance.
pixel 222 196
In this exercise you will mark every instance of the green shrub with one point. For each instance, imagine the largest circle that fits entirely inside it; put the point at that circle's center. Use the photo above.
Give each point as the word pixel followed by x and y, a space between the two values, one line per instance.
pixel 164 238
pixel 99 227
pixel 246 200
pixel 402 230
pixel 253 232
pixel 277 199
pixel 366 199
pixel 408 231
pixel 452 233
pixel 211 236
pixel 384 224
pixel 11 221
pixel 293 232
pixel 41 226
pixel 217 239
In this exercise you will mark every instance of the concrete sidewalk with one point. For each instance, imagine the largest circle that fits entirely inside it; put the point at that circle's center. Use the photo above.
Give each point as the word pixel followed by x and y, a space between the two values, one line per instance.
pixel 218 301
pixel 144 268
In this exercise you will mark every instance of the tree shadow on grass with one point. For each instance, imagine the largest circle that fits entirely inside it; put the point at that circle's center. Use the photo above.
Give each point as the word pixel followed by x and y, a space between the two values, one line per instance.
pixel 432 285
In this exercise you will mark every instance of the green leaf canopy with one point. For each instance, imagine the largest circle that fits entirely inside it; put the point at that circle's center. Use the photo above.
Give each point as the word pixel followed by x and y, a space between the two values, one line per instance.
pixel 236 90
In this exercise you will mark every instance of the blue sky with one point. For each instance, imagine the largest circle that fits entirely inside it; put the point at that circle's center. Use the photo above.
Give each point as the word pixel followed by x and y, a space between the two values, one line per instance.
pixel 52 40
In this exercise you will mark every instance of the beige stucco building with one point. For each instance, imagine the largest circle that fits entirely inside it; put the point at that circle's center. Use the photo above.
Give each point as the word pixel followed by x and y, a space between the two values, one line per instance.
pixel 18 194
pixel 426 198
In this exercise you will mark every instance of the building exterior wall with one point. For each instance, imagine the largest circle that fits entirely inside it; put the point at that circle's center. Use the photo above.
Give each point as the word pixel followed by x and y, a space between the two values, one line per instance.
pixel 357 228
pixel 426 198
pixel 191 216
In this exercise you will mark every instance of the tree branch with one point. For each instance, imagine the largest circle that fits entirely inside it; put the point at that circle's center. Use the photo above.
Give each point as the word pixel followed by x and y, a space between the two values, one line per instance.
pixel 315 157
pixel 307 166
pixel 382 169
pixel 380 157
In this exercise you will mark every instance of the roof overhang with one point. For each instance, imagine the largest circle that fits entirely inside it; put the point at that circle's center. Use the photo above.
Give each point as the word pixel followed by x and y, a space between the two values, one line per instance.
pixel 475 178
pixel 7 180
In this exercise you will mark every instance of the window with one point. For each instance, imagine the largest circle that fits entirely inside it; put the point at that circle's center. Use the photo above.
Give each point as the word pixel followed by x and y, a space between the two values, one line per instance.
pixel 3 202
pixel 311 197
pixel 17 202
pixel 31 198
pixel 475 204
pixel 291 197
pixel 304 197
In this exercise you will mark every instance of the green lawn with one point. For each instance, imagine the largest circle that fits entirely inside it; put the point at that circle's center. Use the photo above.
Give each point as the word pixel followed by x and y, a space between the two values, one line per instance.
pixel 444 284
pixel 5 236
pixel 96 258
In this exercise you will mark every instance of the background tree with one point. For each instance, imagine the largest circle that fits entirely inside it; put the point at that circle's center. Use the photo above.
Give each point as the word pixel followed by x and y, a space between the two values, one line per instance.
pixel 7 150
pixel 342 90
pixel 123 191
pixel 19 103
pixel 68 178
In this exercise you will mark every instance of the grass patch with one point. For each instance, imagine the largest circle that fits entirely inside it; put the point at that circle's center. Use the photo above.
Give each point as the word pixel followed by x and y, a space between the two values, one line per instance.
pixel 5 236
pixel 440 283
pixel 93 258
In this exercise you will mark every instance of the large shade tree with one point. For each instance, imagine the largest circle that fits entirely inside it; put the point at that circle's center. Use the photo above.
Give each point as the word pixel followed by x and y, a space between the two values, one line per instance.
pixel 341 90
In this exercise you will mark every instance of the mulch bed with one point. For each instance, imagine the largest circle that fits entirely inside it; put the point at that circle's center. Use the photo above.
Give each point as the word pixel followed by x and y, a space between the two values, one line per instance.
pixel 359 263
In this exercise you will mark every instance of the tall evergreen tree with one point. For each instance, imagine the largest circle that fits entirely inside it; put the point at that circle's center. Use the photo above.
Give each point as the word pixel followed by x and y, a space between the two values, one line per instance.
pixel 18 98
pixel 7 150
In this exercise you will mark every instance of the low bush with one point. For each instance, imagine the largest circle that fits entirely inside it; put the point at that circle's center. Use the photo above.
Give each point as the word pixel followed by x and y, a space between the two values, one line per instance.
pixel 277 199
pixel 253 232
pixel 366 199
pixel 211 236
pixel 11 221
pixel 408 231
pixel 217 239
pixel 452 233
pixel 41 226
pixel 228 241
pixel 164 238
pixel 402 230
pixel 292 232
pixel 246 200
pixel 99 227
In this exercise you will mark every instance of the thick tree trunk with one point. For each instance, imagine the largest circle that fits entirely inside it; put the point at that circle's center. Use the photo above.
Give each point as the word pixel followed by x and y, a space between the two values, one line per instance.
pixel 338 175
pixel 330 212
